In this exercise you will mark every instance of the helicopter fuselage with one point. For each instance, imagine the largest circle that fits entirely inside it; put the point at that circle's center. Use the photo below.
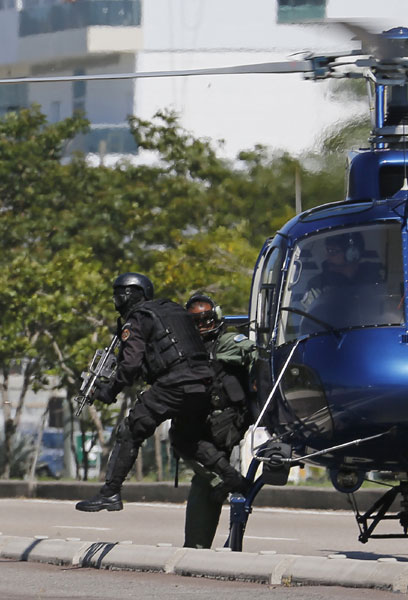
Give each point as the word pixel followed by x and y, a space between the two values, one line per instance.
pixel 333 282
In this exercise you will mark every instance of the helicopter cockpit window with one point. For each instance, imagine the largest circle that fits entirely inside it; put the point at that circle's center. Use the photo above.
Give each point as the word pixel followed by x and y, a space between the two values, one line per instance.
pixel 267 296
pixel 342 279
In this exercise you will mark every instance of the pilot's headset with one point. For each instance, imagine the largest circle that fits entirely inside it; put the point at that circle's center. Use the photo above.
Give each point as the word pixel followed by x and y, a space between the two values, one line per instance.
pixel 355 247
pixel 352 244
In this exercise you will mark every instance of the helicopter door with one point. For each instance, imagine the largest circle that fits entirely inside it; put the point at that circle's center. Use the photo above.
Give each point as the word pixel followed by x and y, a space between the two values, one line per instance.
pixel 265 292
pixel 265 295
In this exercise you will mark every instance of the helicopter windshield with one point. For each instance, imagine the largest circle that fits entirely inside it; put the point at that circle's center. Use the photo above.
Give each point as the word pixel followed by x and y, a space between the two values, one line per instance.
pixel 344 278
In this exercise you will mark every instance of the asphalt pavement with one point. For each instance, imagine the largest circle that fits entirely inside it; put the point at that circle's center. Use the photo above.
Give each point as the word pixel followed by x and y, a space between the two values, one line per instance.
pixel 263 567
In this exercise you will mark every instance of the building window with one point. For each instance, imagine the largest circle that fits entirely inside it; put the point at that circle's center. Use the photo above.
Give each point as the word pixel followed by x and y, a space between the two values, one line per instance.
pixel 297 11
pixel 13 97
pixel 55 111
pixel 79 92
pixel 112 139
pixel 56 16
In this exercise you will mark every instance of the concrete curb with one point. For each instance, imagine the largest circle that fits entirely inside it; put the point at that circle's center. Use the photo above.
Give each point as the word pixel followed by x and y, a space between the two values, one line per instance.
pixel 262 567
pixel 271 496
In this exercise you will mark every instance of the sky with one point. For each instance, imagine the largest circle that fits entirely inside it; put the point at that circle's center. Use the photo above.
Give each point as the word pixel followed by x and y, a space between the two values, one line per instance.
pixel 279 111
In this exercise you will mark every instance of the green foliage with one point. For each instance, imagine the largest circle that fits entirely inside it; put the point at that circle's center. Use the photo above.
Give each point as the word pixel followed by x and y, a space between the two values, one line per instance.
pixel 191 221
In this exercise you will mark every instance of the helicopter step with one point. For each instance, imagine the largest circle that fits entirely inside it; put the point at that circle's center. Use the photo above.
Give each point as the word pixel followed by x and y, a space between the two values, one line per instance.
pixel 276 459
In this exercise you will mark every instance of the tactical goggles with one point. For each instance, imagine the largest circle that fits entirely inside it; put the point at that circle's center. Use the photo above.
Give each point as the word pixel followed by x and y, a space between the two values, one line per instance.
pixel 204 320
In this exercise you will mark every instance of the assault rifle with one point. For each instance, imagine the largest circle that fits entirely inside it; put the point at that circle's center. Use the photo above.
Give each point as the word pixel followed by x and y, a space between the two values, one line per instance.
pixel 103 365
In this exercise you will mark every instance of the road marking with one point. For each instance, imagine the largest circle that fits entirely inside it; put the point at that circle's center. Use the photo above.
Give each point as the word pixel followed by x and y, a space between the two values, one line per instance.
pixel 304 511
pixel 78 527
pixel 276 539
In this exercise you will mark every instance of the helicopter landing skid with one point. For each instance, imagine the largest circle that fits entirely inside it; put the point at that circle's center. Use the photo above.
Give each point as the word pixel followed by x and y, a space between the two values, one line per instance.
pixel 368 521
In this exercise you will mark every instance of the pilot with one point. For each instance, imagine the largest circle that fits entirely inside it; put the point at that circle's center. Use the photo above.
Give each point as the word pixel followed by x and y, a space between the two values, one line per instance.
pixel 176 367
pixel 342 267
pixel 232 357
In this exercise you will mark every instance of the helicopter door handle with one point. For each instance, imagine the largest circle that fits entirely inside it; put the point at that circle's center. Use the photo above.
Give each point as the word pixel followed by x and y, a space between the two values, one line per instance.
pixel 297 271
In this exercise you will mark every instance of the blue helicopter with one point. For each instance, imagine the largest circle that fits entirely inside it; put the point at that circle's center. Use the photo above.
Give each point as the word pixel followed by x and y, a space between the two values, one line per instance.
pixel 328 312
pixel 328 308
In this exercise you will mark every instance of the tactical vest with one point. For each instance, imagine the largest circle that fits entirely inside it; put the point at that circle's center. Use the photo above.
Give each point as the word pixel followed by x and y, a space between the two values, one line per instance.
pixel 229 384
pixel 230 416
pixel 173 341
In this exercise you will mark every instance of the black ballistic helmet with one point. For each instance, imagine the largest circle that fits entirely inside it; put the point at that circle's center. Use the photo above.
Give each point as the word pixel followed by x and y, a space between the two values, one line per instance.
pixel 129 289
pixel 137 280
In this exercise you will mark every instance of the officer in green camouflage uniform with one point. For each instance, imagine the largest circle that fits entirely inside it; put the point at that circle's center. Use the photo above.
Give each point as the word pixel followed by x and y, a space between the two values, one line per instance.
pixel 232 356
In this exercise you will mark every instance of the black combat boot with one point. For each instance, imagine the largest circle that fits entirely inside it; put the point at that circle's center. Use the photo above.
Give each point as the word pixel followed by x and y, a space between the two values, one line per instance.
pixel 121 461
pixel 101 502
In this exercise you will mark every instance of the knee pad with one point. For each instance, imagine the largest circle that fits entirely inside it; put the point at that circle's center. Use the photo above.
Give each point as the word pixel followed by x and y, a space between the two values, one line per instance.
pixel 123 432
pixel 209 455
pixel 141 423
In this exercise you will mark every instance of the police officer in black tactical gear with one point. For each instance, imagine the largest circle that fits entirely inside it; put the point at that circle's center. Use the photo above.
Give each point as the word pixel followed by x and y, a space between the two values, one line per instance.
pixel 232 356
pixel 160 343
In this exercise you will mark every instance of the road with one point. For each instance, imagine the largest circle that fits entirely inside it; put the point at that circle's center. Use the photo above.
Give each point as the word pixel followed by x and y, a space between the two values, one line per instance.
pixel 305 532
pixel 31 581
pixel 286 531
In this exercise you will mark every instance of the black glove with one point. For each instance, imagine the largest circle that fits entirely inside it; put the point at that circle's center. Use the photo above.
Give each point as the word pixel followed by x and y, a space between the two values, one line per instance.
pixel 103 393
pixel 237 484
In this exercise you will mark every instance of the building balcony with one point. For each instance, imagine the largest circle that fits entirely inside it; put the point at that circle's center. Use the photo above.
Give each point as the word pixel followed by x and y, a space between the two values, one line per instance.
pixel 75 30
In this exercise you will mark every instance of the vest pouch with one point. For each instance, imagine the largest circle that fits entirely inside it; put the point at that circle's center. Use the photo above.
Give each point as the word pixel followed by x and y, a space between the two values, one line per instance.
pixel 233 389
pixel 168 342
pixel 227 427
pixel 169 353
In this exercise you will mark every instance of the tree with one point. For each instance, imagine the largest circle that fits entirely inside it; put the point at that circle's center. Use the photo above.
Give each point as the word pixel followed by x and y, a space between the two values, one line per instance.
pixel 27 150
pixel 191 221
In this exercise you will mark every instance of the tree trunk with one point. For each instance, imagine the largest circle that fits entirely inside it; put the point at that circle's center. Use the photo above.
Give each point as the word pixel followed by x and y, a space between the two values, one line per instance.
pixel 8 421
pixel 32 477
pixel 139 465
pixel 157 450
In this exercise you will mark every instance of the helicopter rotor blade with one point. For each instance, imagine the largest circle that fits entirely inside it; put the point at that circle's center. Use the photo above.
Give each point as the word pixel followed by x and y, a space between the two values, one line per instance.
pixel 384 48
pixel 294 66
pixel 312 66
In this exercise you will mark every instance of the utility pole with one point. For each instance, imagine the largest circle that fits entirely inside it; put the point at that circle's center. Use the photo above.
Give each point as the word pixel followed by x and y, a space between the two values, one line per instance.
pixel 298 191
